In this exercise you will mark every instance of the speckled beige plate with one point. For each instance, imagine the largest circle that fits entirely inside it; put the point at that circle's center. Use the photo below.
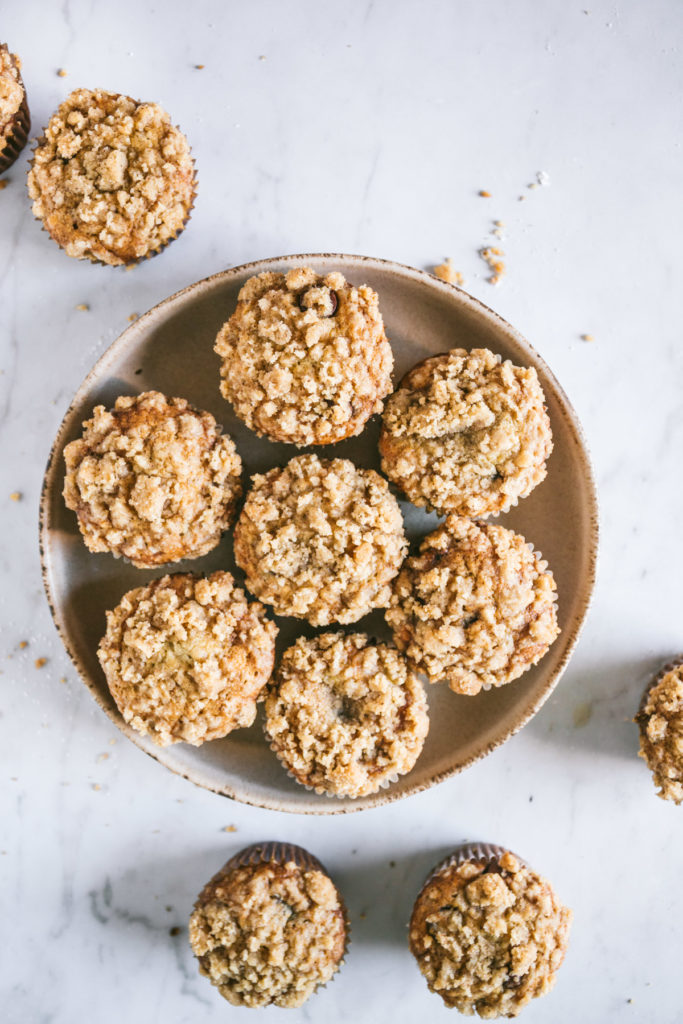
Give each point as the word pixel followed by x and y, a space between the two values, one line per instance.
pixel 170 348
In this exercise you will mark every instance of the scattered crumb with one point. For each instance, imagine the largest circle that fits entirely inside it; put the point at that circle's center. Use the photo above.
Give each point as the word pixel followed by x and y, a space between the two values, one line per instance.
pixel 40 662
pixel 587 337
pixel 112 742
pixel 23 644
pixel 492 256
pixel 543 178
pixel 63 679
pixel 362 915
pixel 230 828
pixel 96 786
pixel 582 715
pixel 629 1001
pixel 62 72
pixel 497 231
pixel 262 56
pixel 103 757
pixel 392 863
pixel 447 272
pixel 133 317
pixel 520 199
pixel 169 909
pixel 532 184
pixel 3 184
pixel 200 67
pixel 484 194
pixel 531 799
pixel 175 930
pixel 16 496
pixel 83 307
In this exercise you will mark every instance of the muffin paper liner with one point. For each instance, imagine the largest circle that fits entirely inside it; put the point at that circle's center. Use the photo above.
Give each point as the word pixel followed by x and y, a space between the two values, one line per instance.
pixel 274 852
pixel 640 715
pixel 140 259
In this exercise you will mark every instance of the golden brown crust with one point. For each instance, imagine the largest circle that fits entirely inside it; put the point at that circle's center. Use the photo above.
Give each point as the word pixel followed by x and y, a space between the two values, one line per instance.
pixel 320 539
pixel 475 607
pixel 489 935
pixel 152 480
pixel 305 357
pixel 660 720
pixel 187 658
pixel 269 933
pixel 112 179
pixel 11 91
pixel 345 715
pixel 466 433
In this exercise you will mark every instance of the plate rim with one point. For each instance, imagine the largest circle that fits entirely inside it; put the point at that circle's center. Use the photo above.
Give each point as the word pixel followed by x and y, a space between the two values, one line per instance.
pixel 382 796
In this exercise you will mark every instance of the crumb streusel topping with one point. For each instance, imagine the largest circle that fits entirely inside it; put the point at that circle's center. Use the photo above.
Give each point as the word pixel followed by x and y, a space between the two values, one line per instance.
pixel 11 92
pixel 269 934
pixel 187 658
pixel 489 936
pixel 153 480
pixel 660 720
pixel 345 715
pixel 466 433
pixel 112 179
pixel 475 607
pixel 305 358
pixel 320 539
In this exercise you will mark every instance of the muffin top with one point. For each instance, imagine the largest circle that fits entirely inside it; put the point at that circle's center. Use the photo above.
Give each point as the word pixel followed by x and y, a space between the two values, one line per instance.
pixel 305 357
pixel 475 607
pixel 660 720
pixel 11 91
pixel 152 480
pixel 268 933
pixel 345 714
pixel 186 658
pixel 466 433
pixel 320 539
pixel 489 935
pixel 112 179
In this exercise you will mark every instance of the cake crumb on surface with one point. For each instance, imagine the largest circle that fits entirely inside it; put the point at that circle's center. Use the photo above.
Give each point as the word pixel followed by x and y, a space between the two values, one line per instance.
pixel 133 317
pixel 40 662
pixel 446 272
pixel 3 184
pixel 82 307
pixel 16 496
pixel 484 194
pixel 23 644
pixel 493 257
pixel 62 73
pixel 230 828
pixel 587 337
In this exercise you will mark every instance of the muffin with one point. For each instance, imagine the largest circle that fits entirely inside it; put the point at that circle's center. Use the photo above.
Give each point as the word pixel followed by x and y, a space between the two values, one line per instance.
pixel 345 715
pixel 466 433
pixel 15 120
pixel 186 658
pixel 152 480
pixel 660 720
pixel 320 539
pixel 488 933
pixel 475 607
pixel 270 927
pixel 305 357
pixel 112 179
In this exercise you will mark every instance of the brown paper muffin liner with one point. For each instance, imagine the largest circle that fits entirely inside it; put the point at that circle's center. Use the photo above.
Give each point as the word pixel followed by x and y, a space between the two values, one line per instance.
pixel 274 852
pixel 640 717
pixel 128 265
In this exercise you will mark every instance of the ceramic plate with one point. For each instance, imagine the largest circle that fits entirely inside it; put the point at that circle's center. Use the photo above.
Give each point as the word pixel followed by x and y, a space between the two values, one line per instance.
pixel 170 349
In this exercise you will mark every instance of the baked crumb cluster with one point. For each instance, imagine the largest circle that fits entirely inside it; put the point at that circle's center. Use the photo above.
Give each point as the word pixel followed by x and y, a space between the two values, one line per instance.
pixel 345 715
pixel 187 658
pixel 112 179
pixel 305 358
pixel 475 607
pixel 320 539
pixel 269 933
pixel 661 732
pixel 467 433
pixel 11 92
pixel 489 935
pixel 152 480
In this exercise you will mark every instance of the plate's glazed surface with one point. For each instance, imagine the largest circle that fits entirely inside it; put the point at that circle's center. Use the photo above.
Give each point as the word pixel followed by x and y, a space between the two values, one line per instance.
pixel 170 349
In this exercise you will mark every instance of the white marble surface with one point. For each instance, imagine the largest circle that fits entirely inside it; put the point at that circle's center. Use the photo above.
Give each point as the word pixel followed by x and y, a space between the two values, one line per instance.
pixel 368 128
